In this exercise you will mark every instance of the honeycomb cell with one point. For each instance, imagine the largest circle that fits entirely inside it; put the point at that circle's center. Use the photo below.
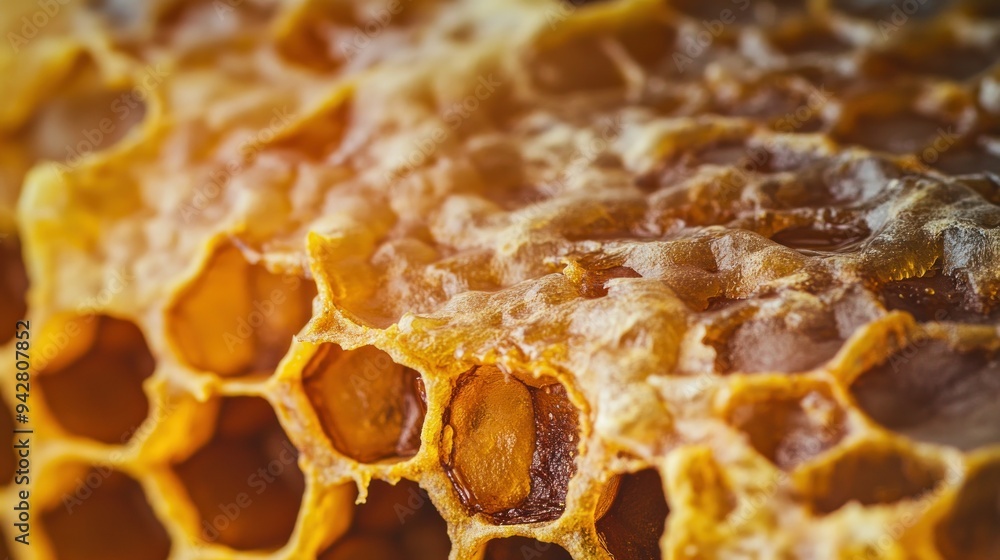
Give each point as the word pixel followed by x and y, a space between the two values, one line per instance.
pixel 245 482
pixel 823 237
pixel 237 317
pixel 509 446
pixel 870 473
pixel 633 522
pixel 982 156
pixel 395 523
pixel 788 427
pixel 969 530
pixel 85 117
pixel 789 343
pixel 894 131
pixel 581 60
pixel 113 521
pixel 370 407
pixel 931 392
pixel 521 548
pixel 941 59
pixel 13 287
pixel 934 296
pixel 97 393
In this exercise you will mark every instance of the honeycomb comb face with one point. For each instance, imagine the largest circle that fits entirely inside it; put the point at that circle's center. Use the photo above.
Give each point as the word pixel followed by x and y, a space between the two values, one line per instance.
pixel 480 279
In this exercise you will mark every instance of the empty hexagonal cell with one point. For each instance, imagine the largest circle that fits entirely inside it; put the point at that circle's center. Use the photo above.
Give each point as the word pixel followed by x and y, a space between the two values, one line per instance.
pixel 370 407
pixel 933 296
pixel 509 445
pixel 970 530
pixel 631 516
pixel 799 337
pixel 787 424
pixel 13 287
pixel 941 57
pixel 107 516
pixel 870 473
pixel 932 392
pixel 94 389
pixel 245 482
pixel 589 58
pixel 979 156
pixel 521 548
pixel 823 237
pixel 395 523
pixel 238 317
pixel 888 125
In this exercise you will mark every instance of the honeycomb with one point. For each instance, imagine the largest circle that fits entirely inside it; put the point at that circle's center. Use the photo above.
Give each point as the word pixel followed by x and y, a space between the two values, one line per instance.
pixel 503 280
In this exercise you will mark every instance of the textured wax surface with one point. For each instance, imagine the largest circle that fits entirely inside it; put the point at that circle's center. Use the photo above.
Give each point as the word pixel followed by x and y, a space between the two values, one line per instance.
pixel 504 279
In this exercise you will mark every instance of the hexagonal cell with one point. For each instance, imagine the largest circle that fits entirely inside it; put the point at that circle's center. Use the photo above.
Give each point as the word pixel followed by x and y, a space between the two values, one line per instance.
pixel 870 473
pixel 370 407
pixel 580 59
pixel 888 123
pixel 631 516
pixel 113 521
pixel 84 115
pixel 238 317
pixel 94 389
pixel 979 156
pixel 969 530
pixel 939 57
pixel 788 425
pixel 245 482
pixel 934 393
pixel 13 287
pixel 521 548
pixel 798 337
pixel 935 296
pixel 509 445
pixel 823 237
pixel 395 523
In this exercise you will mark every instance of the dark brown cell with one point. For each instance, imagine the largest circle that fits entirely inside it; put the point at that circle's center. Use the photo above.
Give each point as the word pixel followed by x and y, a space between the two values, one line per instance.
pixel 395 523
pixel 13 287
pixel 509 446
pixel 98 392
pixel 238 317
pixel 970 530
pixel 579 60
pixel 370 407
pixel 522 548
pixel 107 516
pixel 823 237
pixel 245 482
pixel 933 393
pixel 899 132
pixel 969 159
pixel 631 526
pixel 788 429
pixel 934 296
pixel 872 473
